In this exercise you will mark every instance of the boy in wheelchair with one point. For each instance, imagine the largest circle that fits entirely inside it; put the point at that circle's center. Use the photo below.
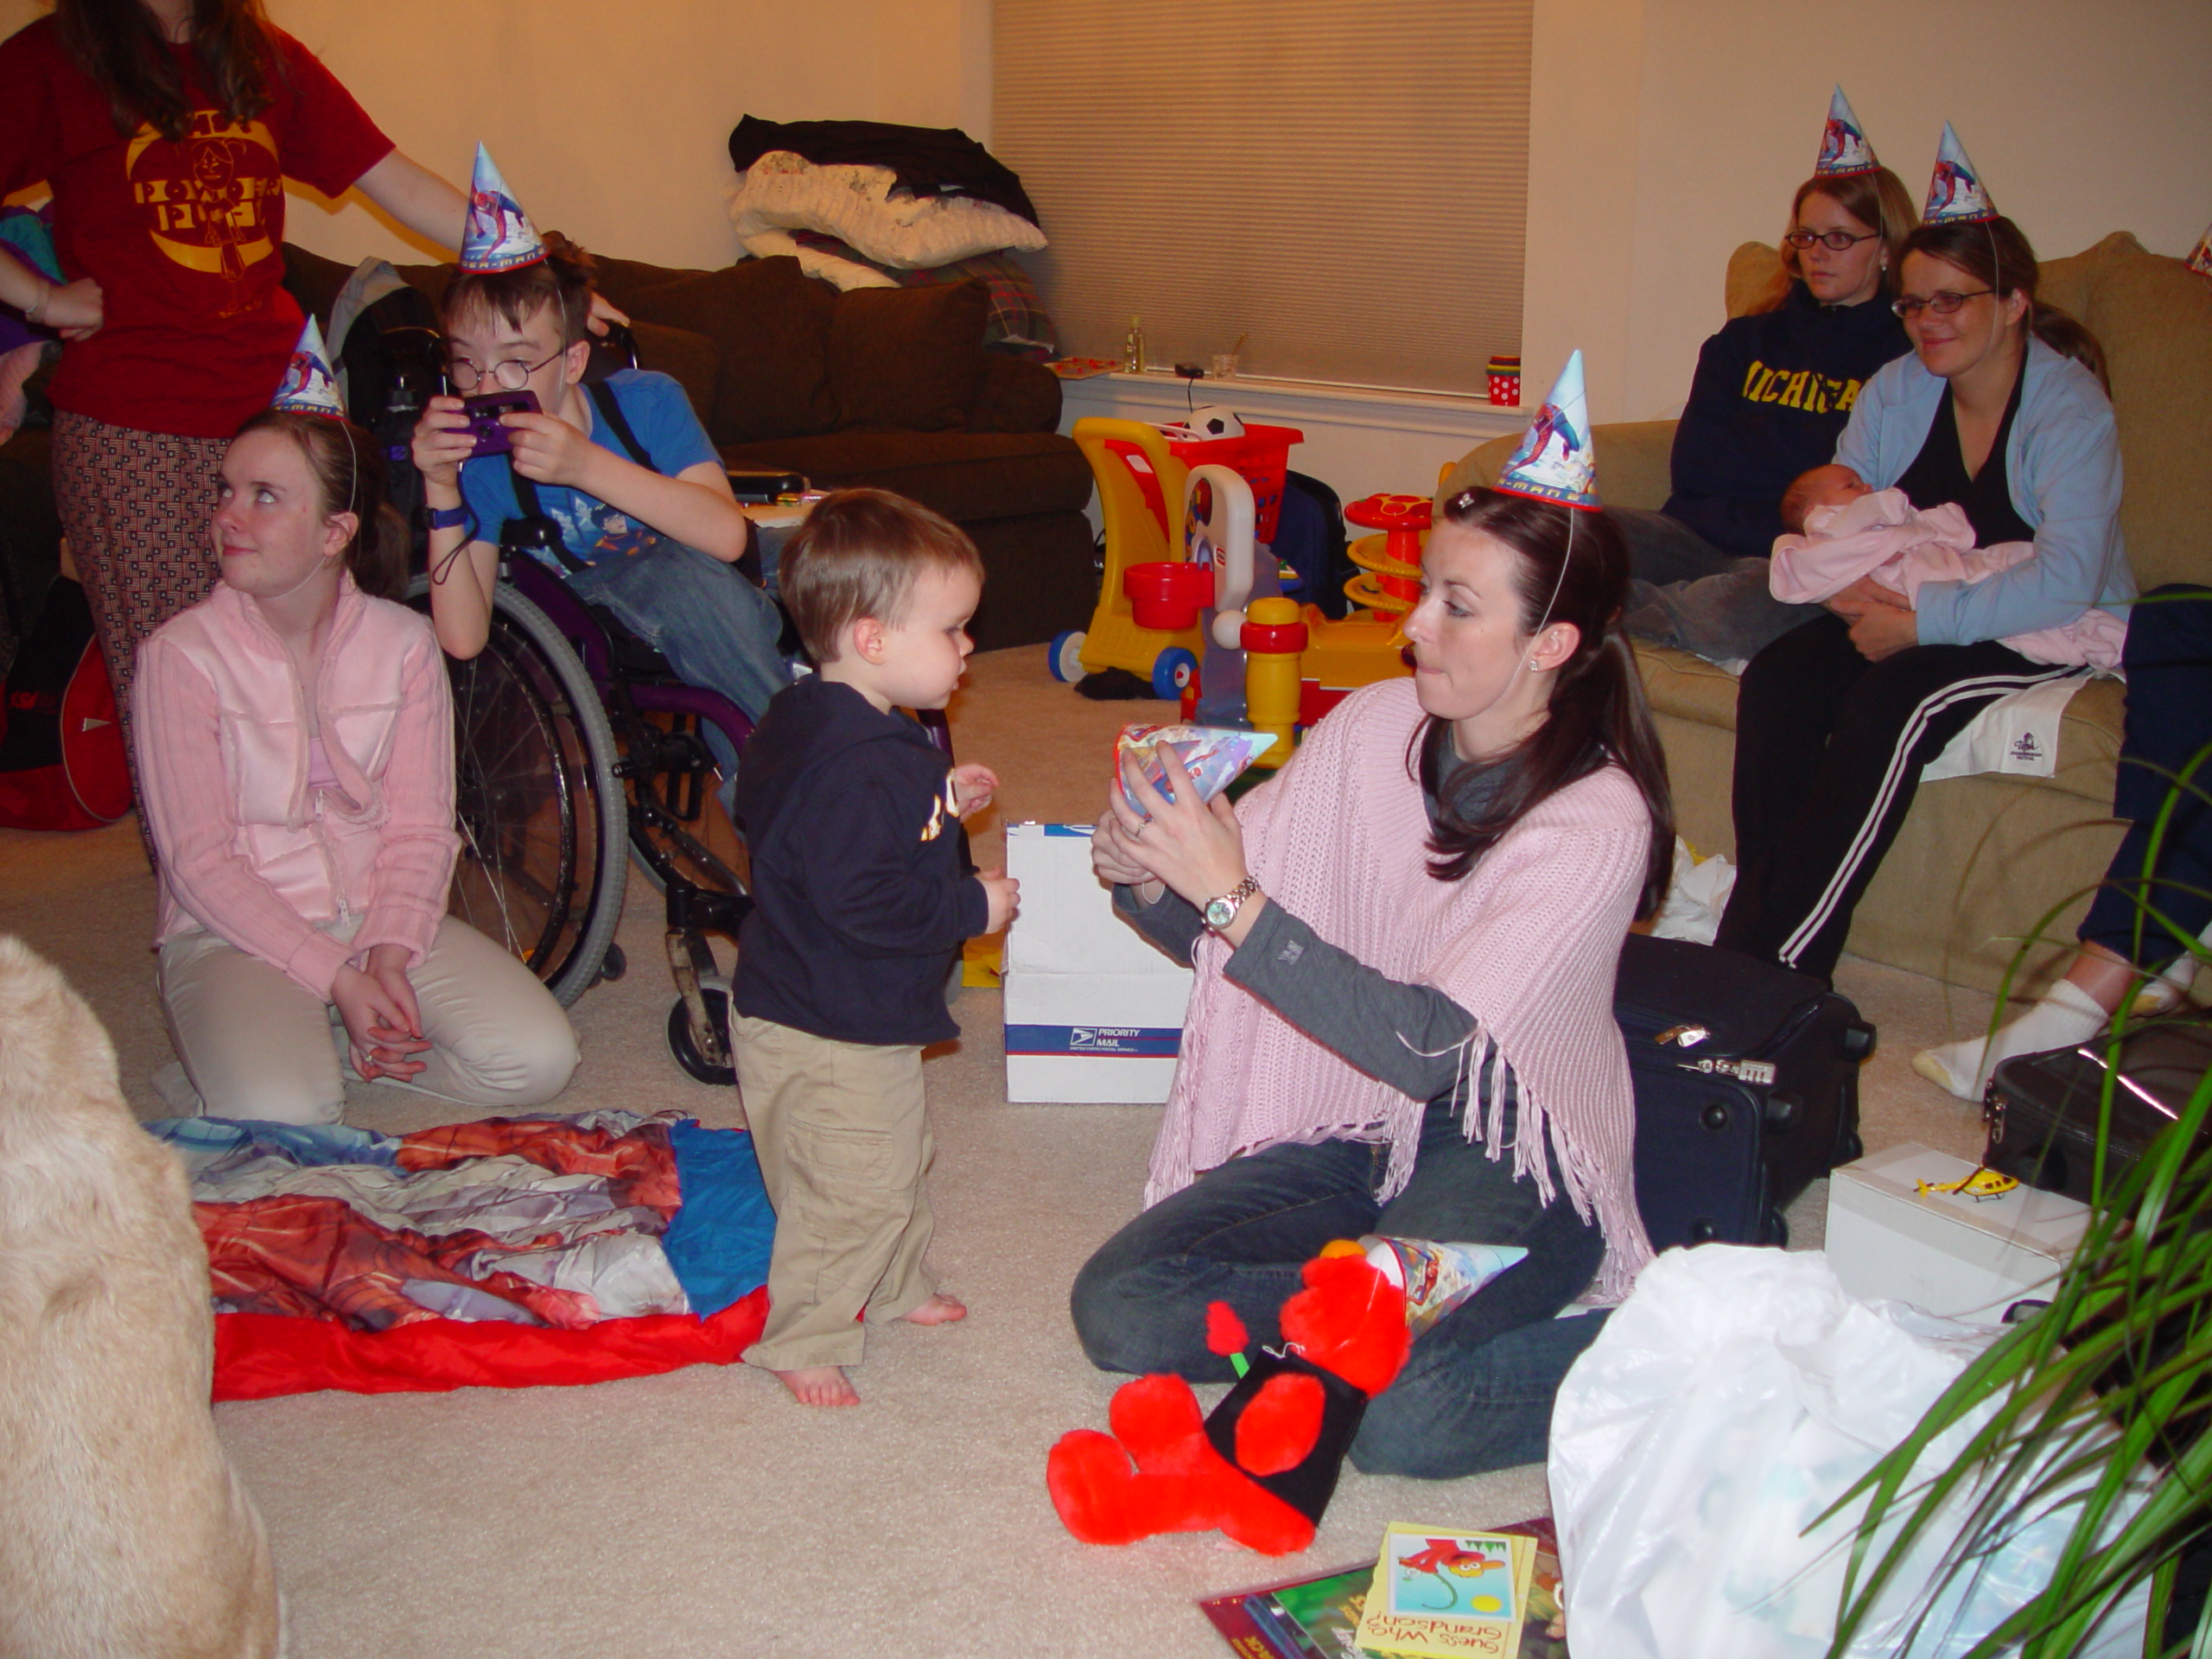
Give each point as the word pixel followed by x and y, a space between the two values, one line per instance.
pixel 614 487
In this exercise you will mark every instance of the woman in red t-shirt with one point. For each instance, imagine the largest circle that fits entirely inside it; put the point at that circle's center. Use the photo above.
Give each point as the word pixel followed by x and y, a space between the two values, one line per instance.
pixel 165 129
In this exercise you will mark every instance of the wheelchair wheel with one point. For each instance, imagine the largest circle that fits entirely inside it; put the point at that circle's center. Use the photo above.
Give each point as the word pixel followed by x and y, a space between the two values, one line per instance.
pixel 683 1044
pixel 541 814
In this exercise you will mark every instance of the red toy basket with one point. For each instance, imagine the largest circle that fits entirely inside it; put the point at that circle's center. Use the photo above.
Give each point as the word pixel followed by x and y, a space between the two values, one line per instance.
pixel 1261 455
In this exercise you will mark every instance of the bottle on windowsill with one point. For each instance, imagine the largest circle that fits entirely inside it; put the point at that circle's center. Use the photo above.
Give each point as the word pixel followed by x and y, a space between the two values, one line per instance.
pixel 1133 348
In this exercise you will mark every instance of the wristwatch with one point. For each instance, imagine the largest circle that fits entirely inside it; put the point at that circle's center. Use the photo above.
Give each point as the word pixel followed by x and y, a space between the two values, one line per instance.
pixel 1220 913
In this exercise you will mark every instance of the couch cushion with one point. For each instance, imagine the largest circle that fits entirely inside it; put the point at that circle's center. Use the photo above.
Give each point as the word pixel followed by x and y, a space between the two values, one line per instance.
pixel 907 357
pixel 967 476
pixel 772 326
pixel 2153 317
pixel 695 360
pixel 1016 395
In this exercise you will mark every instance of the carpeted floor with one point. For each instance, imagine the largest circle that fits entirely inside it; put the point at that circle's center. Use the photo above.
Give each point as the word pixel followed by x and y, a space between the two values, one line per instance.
pixel 704 1513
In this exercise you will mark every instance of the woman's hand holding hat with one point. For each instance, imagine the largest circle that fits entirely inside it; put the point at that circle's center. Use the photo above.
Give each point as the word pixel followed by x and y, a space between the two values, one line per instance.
pixel 1197 847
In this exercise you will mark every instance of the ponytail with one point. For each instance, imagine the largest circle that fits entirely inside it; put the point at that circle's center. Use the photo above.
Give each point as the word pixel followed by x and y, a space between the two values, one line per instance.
pixel 1597 715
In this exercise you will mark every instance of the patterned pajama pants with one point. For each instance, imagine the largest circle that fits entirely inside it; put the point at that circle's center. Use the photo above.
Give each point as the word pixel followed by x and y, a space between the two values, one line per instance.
pixel 136 507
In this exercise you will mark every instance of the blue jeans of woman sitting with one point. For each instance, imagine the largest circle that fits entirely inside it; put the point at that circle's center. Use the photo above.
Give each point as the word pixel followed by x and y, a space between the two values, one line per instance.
pixel 1476 1393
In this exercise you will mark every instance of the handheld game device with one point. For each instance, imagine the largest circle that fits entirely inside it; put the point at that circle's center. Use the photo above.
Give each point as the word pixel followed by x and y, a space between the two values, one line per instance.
pixel 492 438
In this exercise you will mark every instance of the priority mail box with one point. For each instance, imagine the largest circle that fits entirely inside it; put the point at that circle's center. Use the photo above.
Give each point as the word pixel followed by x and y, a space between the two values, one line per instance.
pixel 1094 1011
pixel 1951 1254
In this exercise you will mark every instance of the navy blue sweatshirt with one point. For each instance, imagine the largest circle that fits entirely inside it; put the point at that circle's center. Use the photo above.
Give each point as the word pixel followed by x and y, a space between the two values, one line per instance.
pixel 862 888
pixel 1771 398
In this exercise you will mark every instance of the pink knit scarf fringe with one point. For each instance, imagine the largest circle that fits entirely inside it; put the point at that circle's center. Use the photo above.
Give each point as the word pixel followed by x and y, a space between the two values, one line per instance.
pixel 1528 942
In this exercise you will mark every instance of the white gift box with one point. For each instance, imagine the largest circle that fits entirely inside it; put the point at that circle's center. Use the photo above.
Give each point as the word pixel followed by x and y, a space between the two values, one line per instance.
pixel 1950 1254
pixel 1094 1011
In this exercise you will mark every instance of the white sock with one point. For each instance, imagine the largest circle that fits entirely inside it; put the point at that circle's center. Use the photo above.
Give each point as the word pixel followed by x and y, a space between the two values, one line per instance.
pixel 2068 1015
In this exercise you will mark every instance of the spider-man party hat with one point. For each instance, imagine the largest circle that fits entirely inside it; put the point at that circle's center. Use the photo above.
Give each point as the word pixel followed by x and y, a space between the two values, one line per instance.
pixel 307 387
pixel 499 236
pixel 1955 196
pixel 1844 149
pixel 1556 461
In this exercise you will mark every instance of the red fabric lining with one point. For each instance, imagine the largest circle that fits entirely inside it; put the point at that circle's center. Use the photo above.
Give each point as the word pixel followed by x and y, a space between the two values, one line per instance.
pixel 259 1356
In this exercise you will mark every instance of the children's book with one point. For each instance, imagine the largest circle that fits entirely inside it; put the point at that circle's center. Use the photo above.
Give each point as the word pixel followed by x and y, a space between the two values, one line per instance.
pixel 1325 1609
pixel 1440 1594
pixel 1254 1625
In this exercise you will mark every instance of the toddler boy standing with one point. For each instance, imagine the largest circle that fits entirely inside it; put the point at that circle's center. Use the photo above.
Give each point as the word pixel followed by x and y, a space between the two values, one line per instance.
pixel 862 893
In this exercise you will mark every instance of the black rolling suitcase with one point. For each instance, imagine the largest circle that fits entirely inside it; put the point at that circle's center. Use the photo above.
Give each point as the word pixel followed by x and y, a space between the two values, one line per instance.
pixel 2041 1109
pixel 1746 1078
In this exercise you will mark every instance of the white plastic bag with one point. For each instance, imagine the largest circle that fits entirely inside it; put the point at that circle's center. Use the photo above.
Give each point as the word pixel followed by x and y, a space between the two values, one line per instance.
pixel 1696 895
pixel 1734 1397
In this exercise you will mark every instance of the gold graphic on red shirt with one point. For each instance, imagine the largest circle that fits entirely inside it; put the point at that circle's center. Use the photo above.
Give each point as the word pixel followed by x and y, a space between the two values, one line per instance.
pixel 207 196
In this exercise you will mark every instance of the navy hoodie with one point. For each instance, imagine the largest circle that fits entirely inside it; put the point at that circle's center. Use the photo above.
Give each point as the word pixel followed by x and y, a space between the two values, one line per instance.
pixel 1771 398
pixel 863 889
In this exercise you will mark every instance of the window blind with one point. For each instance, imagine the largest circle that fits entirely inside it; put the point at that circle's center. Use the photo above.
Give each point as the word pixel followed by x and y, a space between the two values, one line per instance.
pixel 1342 182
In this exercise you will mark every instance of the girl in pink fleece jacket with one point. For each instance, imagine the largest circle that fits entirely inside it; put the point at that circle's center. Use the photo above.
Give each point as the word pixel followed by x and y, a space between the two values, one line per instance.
pixel 294 744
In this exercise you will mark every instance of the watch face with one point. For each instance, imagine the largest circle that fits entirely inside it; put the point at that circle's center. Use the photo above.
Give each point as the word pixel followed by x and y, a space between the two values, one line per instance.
pixel 1220 913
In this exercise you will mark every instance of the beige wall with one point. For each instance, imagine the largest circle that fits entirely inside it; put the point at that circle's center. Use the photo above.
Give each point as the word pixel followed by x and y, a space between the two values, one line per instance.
pixel 1667 131
pixel 611 118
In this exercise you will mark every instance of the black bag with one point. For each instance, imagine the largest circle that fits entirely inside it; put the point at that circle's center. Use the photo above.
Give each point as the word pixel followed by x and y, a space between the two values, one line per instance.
pixel 1746 1078
pixel 2043 1108
pixel 1310 539
pixel 395 360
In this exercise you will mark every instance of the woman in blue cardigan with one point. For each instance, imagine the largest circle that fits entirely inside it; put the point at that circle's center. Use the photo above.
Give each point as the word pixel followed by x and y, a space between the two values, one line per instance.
pixel 2001 409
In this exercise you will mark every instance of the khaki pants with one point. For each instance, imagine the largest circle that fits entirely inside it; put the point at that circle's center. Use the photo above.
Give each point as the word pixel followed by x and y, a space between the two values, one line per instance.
pixel 844 1145
pixel 255 1045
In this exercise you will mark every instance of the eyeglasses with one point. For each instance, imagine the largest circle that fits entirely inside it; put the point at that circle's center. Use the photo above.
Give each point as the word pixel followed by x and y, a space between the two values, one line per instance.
pixel 513 374
pixel 1942 303
pixel 1839 241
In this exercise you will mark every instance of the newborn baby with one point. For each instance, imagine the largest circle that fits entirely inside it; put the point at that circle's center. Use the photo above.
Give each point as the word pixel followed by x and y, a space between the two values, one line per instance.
pixel 1847 530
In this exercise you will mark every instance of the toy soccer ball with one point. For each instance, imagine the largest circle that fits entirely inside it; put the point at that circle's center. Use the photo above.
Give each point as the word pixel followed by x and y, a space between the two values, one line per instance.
pixel 1215 421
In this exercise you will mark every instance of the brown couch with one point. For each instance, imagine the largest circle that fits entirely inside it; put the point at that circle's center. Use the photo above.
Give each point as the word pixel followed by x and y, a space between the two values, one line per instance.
pixel 1979 860
pixel 888 387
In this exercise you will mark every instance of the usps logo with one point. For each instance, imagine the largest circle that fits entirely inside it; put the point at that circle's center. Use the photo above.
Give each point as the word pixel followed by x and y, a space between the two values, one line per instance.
pixel 1102 1039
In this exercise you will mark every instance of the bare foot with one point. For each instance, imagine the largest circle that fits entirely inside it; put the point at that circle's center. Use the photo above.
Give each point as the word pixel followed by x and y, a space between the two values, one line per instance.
pixel 940 1309
pixel 819 1385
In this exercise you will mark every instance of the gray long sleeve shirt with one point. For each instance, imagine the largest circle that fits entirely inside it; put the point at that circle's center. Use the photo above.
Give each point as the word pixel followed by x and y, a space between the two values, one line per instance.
pixel 1406 1035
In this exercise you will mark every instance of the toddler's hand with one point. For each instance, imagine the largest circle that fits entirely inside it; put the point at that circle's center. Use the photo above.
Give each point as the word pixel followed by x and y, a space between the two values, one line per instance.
pixel 441 442
pixel 973 787
pixel 1003 894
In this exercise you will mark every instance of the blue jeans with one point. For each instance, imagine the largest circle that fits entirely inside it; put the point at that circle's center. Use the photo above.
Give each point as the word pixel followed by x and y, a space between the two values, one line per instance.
pixel 1686 593
pixel 1476 1393
pixel 2168 722
pixel 717 629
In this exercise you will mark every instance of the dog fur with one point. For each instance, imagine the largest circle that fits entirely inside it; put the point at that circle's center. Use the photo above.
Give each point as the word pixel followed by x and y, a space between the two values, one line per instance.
pixel 123 1529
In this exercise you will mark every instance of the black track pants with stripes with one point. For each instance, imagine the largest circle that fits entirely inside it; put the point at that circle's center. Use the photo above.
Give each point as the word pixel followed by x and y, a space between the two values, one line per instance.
pixel 1829 748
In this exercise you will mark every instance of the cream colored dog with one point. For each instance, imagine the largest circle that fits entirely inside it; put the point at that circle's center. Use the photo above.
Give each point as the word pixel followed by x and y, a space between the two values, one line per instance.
pixel 123 1530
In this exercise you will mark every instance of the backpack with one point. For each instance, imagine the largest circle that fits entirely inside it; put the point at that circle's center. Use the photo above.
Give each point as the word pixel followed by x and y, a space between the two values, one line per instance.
pixel 1310 539
pixel 61 757
pixel 393 361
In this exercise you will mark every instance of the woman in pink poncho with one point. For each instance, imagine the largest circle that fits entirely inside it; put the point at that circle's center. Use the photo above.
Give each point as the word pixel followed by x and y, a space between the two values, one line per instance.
pixel 1404 1025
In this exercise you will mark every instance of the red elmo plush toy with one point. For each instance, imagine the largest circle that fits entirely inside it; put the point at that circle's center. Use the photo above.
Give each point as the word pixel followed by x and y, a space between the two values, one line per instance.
pixel 1263 1466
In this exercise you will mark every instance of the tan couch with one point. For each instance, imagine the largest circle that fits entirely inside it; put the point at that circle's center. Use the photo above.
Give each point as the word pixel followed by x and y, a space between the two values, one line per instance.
pixel 1979 860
